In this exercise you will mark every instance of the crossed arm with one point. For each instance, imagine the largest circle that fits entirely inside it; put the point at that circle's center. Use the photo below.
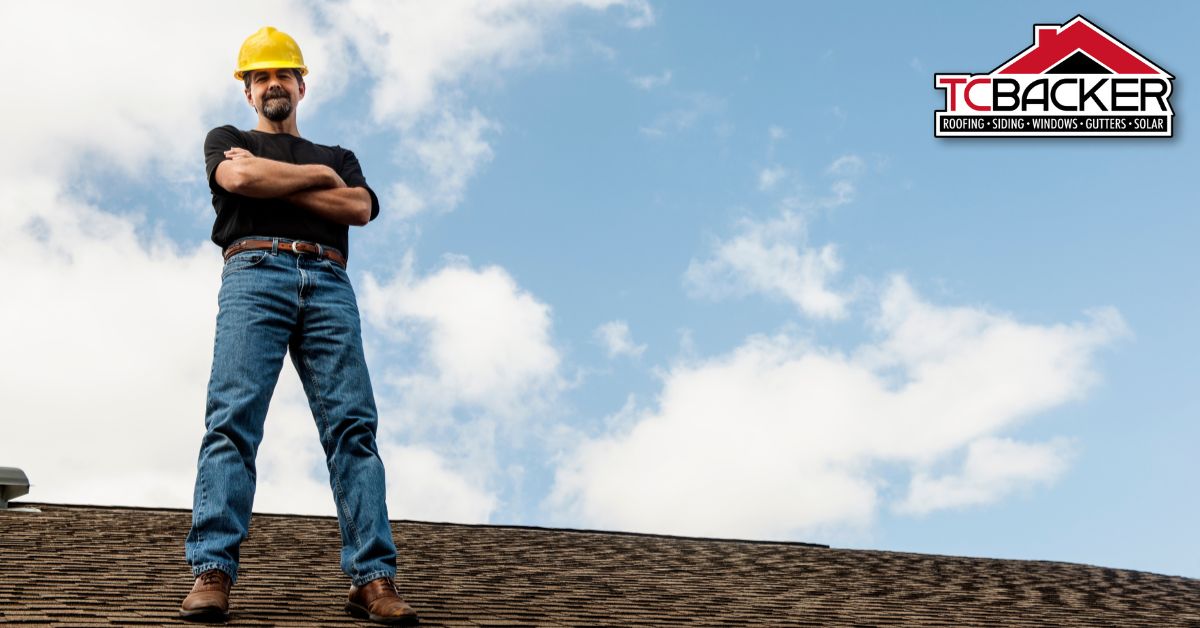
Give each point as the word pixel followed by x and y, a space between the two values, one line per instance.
pixel 314 187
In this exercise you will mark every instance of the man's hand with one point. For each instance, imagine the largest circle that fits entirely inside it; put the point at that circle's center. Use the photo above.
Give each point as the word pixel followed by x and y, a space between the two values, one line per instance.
pixel 238 153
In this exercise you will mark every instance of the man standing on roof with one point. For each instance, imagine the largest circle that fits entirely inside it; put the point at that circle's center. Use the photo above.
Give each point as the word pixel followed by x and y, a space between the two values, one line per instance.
pixel 284 206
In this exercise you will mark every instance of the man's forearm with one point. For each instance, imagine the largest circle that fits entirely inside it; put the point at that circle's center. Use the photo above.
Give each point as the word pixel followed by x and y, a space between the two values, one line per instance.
pixel 348 206
pixel 257 177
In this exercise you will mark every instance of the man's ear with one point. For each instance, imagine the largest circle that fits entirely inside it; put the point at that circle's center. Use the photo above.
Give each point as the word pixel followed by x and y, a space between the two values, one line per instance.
pixel 250 100
pixel 303 87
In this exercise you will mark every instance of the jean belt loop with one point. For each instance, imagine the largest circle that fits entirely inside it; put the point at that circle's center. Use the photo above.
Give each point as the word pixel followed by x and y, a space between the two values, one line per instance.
pixel 274 246
pixel 320 250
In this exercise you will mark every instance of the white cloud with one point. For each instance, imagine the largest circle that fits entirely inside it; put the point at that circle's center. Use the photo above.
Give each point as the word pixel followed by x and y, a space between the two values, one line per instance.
pixel 95 98
pixel 484 382
pixel 415 58
pixel 403 201
pixel 422 486
pixel 642 14
pixel 768 177
pixel 109 324
pixel 418 52
pixel 994 468
pixel 112 346
pixel 418 56
pixel 109 346
pixel 770 258
pixel 421 483
pixel 600 49
pixel 617 340
pixel 486 341
pixel 696 106
pixel 775 135
pixel 841 192
pixel 651 81
pixel 293 477
pixel 450 152
pixel 780 438
pixel 846 166
pixel 845 170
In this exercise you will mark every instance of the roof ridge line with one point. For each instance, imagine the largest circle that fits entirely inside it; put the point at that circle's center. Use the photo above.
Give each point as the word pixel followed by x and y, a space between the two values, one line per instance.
pixel 448 523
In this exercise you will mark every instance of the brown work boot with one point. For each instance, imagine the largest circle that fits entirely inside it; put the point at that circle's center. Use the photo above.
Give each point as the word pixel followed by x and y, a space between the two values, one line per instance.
pixel 209 599
pixel 379 602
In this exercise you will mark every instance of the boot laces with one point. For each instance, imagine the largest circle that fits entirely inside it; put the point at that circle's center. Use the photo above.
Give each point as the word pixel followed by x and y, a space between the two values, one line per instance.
pixel 211 577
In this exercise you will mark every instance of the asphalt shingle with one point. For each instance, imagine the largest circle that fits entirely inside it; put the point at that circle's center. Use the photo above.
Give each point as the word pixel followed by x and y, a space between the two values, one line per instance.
pixel 102 566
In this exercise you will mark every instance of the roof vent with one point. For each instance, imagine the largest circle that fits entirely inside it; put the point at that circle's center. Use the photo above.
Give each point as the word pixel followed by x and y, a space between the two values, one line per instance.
pixel 13 483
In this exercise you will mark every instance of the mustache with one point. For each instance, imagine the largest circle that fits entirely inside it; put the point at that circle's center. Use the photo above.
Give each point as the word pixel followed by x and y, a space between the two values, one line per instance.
pixel 275 92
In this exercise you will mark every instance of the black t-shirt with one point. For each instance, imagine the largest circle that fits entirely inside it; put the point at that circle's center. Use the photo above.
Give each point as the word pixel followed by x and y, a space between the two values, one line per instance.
pixel 240 216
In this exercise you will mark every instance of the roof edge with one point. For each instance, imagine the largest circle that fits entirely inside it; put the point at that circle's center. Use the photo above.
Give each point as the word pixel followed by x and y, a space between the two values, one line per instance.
pixel 509 526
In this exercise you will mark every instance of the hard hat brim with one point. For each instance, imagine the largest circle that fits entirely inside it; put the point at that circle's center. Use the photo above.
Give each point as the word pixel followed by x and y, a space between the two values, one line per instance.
pixel 267 65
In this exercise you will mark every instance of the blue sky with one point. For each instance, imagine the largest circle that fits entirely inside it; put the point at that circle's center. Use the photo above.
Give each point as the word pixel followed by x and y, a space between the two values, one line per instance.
pixel 752 192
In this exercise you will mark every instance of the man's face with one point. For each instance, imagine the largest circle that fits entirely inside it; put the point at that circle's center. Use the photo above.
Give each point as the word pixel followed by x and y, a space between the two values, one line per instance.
pixel 274 92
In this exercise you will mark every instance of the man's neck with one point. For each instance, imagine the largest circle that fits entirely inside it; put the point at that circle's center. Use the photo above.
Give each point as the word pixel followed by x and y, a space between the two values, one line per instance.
pixel 287 125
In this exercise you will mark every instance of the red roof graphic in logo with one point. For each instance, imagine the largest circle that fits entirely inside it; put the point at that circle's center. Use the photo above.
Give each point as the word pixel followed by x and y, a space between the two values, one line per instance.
pixel 1054 44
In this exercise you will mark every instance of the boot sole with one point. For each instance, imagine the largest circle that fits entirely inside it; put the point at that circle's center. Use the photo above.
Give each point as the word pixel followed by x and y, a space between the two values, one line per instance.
pixel 359 612
pixel 210 615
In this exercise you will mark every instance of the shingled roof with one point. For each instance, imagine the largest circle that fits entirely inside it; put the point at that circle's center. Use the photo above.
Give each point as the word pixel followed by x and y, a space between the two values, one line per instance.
pixel 98 566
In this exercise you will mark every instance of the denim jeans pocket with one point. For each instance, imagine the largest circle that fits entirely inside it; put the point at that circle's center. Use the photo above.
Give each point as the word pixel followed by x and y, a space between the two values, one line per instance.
pixel 336 269
pixel 242 261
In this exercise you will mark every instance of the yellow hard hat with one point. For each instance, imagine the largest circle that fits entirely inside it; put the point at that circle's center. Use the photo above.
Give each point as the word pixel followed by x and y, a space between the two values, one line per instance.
pixel 269 48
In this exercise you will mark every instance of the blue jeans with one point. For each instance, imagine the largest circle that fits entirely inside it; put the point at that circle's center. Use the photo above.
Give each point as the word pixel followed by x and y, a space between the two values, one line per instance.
pixel 272 302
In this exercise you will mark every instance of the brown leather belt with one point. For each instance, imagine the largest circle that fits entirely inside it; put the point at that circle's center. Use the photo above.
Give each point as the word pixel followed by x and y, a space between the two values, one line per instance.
pixel 294 246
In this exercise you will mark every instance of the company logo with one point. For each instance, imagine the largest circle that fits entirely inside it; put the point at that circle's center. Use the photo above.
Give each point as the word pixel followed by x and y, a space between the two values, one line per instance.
pixel 1074 81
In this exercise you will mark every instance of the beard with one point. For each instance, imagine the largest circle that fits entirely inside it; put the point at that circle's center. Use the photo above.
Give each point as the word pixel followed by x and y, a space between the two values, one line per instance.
pixel 277 109
pixel 277 104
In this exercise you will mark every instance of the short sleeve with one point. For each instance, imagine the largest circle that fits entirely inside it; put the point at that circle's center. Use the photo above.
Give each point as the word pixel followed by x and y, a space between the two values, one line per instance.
pixel 218 141
pixel 351 173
